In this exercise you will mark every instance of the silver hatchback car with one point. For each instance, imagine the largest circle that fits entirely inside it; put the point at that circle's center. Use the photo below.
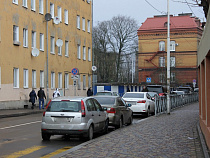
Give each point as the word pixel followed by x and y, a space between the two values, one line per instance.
pixel 81 116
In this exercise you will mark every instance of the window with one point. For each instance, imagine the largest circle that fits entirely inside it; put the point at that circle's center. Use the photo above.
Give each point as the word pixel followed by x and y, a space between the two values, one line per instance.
pixel 25 4
pixel 78 21
pixel 88 1
pixel 60 80
pixel 88 25
pixel 78 52
pixel 25 37
pixel 161 46
pixel 79 83
pixel 52 80
pixel 66 19
pixel 84 82
pixel 59 13
pixel 83 24
pixel 41 7
pixel 42 79
pixel 41 41
pixel 16 78
pixel 33 7
pixel 33 78
pixel 15 1
pixel 89 54
pixel 162 78
pixel 84 53
pixel 52 44
pixel 172 61
pixel 16 33
pixel 33 39
pixel 66 48
pixel 52 10
pixel 25 78
pixel 162 61
pixel 66 80
pixel 60 50
pixel 89 81
pixel 172 77
pixel 172 45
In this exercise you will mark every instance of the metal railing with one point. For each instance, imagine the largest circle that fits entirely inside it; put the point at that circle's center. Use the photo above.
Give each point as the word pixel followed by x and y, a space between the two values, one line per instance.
pixel 175 101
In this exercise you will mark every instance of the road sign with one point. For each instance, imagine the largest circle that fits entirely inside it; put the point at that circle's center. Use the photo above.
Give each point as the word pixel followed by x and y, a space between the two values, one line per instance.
pixel 194 80
pixel 75 82
pixel 75 77
pixel 74 71
pixel 148 79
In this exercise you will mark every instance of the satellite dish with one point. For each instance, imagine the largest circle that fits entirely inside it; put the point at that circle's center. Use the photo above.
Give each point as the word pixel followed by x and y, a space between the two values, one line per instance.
pixel 59 43
pixel 35 52
pixel 48 17
pixel 56 20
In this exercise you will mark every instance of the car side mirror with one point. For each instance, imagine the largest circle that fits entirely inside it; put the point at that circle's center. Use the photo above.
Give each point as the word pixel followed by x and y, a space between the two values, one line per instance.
pixel 128 105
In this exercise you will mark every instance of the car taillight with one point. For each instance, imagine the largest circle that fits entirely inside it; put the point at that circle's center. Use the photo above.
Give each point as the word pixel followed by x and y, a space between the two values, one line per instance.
pixel 83 108
pixel 141 101
pixel 111 110
pixel 44 113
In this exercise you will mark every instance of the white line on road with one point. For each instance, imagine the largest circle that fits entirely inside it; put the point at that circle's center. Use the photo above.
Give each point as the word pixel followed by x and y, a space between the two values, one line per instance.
pixel 21 125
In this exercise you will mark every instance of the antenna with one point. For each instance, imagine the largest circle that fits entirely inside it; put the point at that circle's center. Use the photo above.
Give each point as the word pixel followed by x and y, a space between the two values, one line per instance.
pixel 48 16
pixel 59 43
pixel 35 52
pixel 56 20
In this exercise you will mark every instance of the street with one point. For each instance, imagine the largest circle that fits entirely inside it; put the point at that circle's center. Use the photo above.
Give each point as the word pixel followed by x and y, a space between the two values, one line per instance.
pixel 21 137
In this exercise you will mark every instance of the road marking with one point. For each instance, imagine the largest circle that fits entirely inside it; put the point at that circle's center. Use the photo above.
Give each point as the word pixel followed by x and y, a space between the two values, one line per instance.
pixel 24 152
pixel 21 125
pixel 57 152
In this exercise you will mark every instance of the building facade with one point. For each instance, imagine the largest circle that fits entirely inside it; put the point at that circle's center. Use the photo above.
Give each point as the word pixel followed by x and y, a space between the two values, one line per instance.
pixel 41 50
pixel 185 34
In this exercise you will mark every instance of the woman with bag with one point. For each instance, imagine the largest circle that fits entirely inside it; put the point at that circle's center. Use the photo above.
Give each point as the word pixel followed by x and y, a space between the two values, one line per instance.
pixel 32 97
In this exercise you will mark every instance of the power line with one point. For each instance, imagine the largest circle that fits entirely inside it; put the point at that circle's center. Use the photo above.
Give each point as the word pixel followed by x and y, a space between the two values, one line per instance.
pixel 155 8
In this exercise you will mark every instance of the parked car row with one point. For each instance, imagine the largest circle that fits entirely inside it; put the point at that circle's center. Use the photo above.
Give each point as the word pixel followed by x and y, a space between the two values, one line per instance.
pixel 85 116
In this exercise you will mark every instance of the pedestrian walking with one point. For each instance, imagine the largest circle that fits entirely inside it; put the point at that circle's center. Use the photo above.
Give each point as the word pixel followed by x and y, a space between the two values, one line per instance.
pixel 41 96
pixel 144 89
pixel 89 92
pixel 56 93
pixel 32 96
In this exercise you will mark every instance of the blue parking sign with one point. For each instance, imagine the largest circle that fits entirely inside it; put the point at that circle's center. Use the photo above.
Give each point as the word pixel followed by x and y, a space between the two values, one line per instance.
pixel 148 79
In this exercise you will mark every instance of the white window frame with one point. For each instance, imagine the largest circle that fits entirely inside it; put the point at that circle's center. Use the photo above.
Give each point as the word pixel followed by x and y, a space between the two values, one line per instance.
pixel 52 44
pixel 25 4
pixel 84 82
pixel 52 80
pixel 33 39
pixel 15 77
pixel 78 51
pixel 173 75
pixel 15 1
pixel 41 79
pixel 15 33
pixel 59 13
pixel 162 46
pixel 66 81
pixel 41 41
pixel 172 61
pixel 60 80
pixel 89 54
pixel 172 46
pixel 41 6
pixel 162 61
pixel 83 24
pixel 66 48
pixel 66 16
pixel 33 5
pixel 162 78
pixel 79 83
pixel 52 10
pixel 89 81
pixel 78 22
pixel 25 37
pixel 33 78
pixel 25 78
pixel 88 25
pixel 84 52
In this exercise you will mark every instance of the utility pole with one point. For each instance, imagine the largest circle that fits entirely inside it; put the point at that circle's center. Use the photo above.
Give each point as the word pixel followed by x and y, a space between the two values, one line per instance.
pixel 168 60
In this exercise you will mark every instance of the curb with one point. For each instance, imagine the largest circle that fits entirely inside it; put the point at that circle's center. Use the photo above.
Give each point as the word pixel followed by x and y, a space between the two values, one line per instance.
pixel 20 114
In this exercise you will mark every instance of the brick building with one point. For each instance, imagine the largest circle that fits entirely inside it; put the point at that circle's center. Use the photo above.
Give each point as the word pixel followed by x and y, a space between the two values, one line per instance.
pixel 185 34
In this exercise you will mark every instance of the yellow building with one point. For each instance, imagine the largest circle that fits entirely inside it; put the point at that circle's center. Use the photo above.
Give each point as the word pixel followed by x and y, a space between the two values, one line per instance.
pixel 40 50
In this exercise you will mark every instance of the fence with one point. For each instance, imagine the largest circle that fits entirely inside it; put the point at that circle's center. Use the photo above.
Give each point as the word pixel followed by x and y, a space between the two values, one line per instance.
pixel 175 101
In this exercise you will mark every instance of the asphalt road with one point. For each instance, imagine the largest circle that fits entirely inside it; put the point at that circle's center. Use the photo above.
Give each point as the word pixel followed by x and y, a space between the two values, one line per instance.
pixel 21 137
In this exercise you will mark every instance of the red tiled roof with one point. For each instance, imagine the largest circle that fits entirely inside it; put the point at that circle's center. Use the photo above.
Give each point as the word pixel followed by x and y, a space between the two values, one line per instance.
pixel 176 22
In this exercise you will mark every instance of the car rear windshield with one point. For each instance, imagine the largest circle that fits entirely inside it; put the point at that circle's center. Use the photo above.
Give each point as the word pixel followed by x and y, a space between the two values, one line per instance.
pixel 158 89
pixel 134 95
pixel 104 100
pixel 64 106
pixel 186 90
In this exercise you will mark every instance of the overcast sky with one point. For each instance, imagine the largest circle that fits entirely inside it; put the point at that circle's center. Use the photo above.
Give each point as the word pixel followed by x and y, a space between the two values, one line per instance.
pixel 140 10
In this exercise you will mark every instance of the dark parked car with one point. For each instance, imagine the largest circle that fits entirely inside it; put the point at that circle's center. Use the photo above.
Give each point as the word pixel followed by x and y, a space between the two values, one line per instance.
pixel 118 112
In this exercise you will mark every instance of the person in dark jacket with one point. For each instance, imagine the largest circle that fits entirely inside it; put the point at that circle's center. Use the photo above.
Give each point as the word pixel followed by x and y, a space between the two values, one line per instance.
pixel 89 92
pixel 41 96
pixel 32 96
pixel 144 89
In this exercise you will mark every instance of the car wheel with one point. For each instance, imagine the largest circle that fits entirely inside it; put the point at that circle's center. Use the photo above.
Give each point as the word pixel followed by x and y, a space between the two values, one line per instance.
pixel 147 114
pixel 120 123
pixel 130 120
pixel 106 127
pixel 90 133
pixel 46 136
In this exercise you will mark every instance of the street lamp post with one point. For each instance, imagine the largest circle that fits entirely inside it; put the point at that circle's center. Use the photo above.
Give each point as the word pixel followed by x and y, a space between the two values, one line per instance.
pixel 47 53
